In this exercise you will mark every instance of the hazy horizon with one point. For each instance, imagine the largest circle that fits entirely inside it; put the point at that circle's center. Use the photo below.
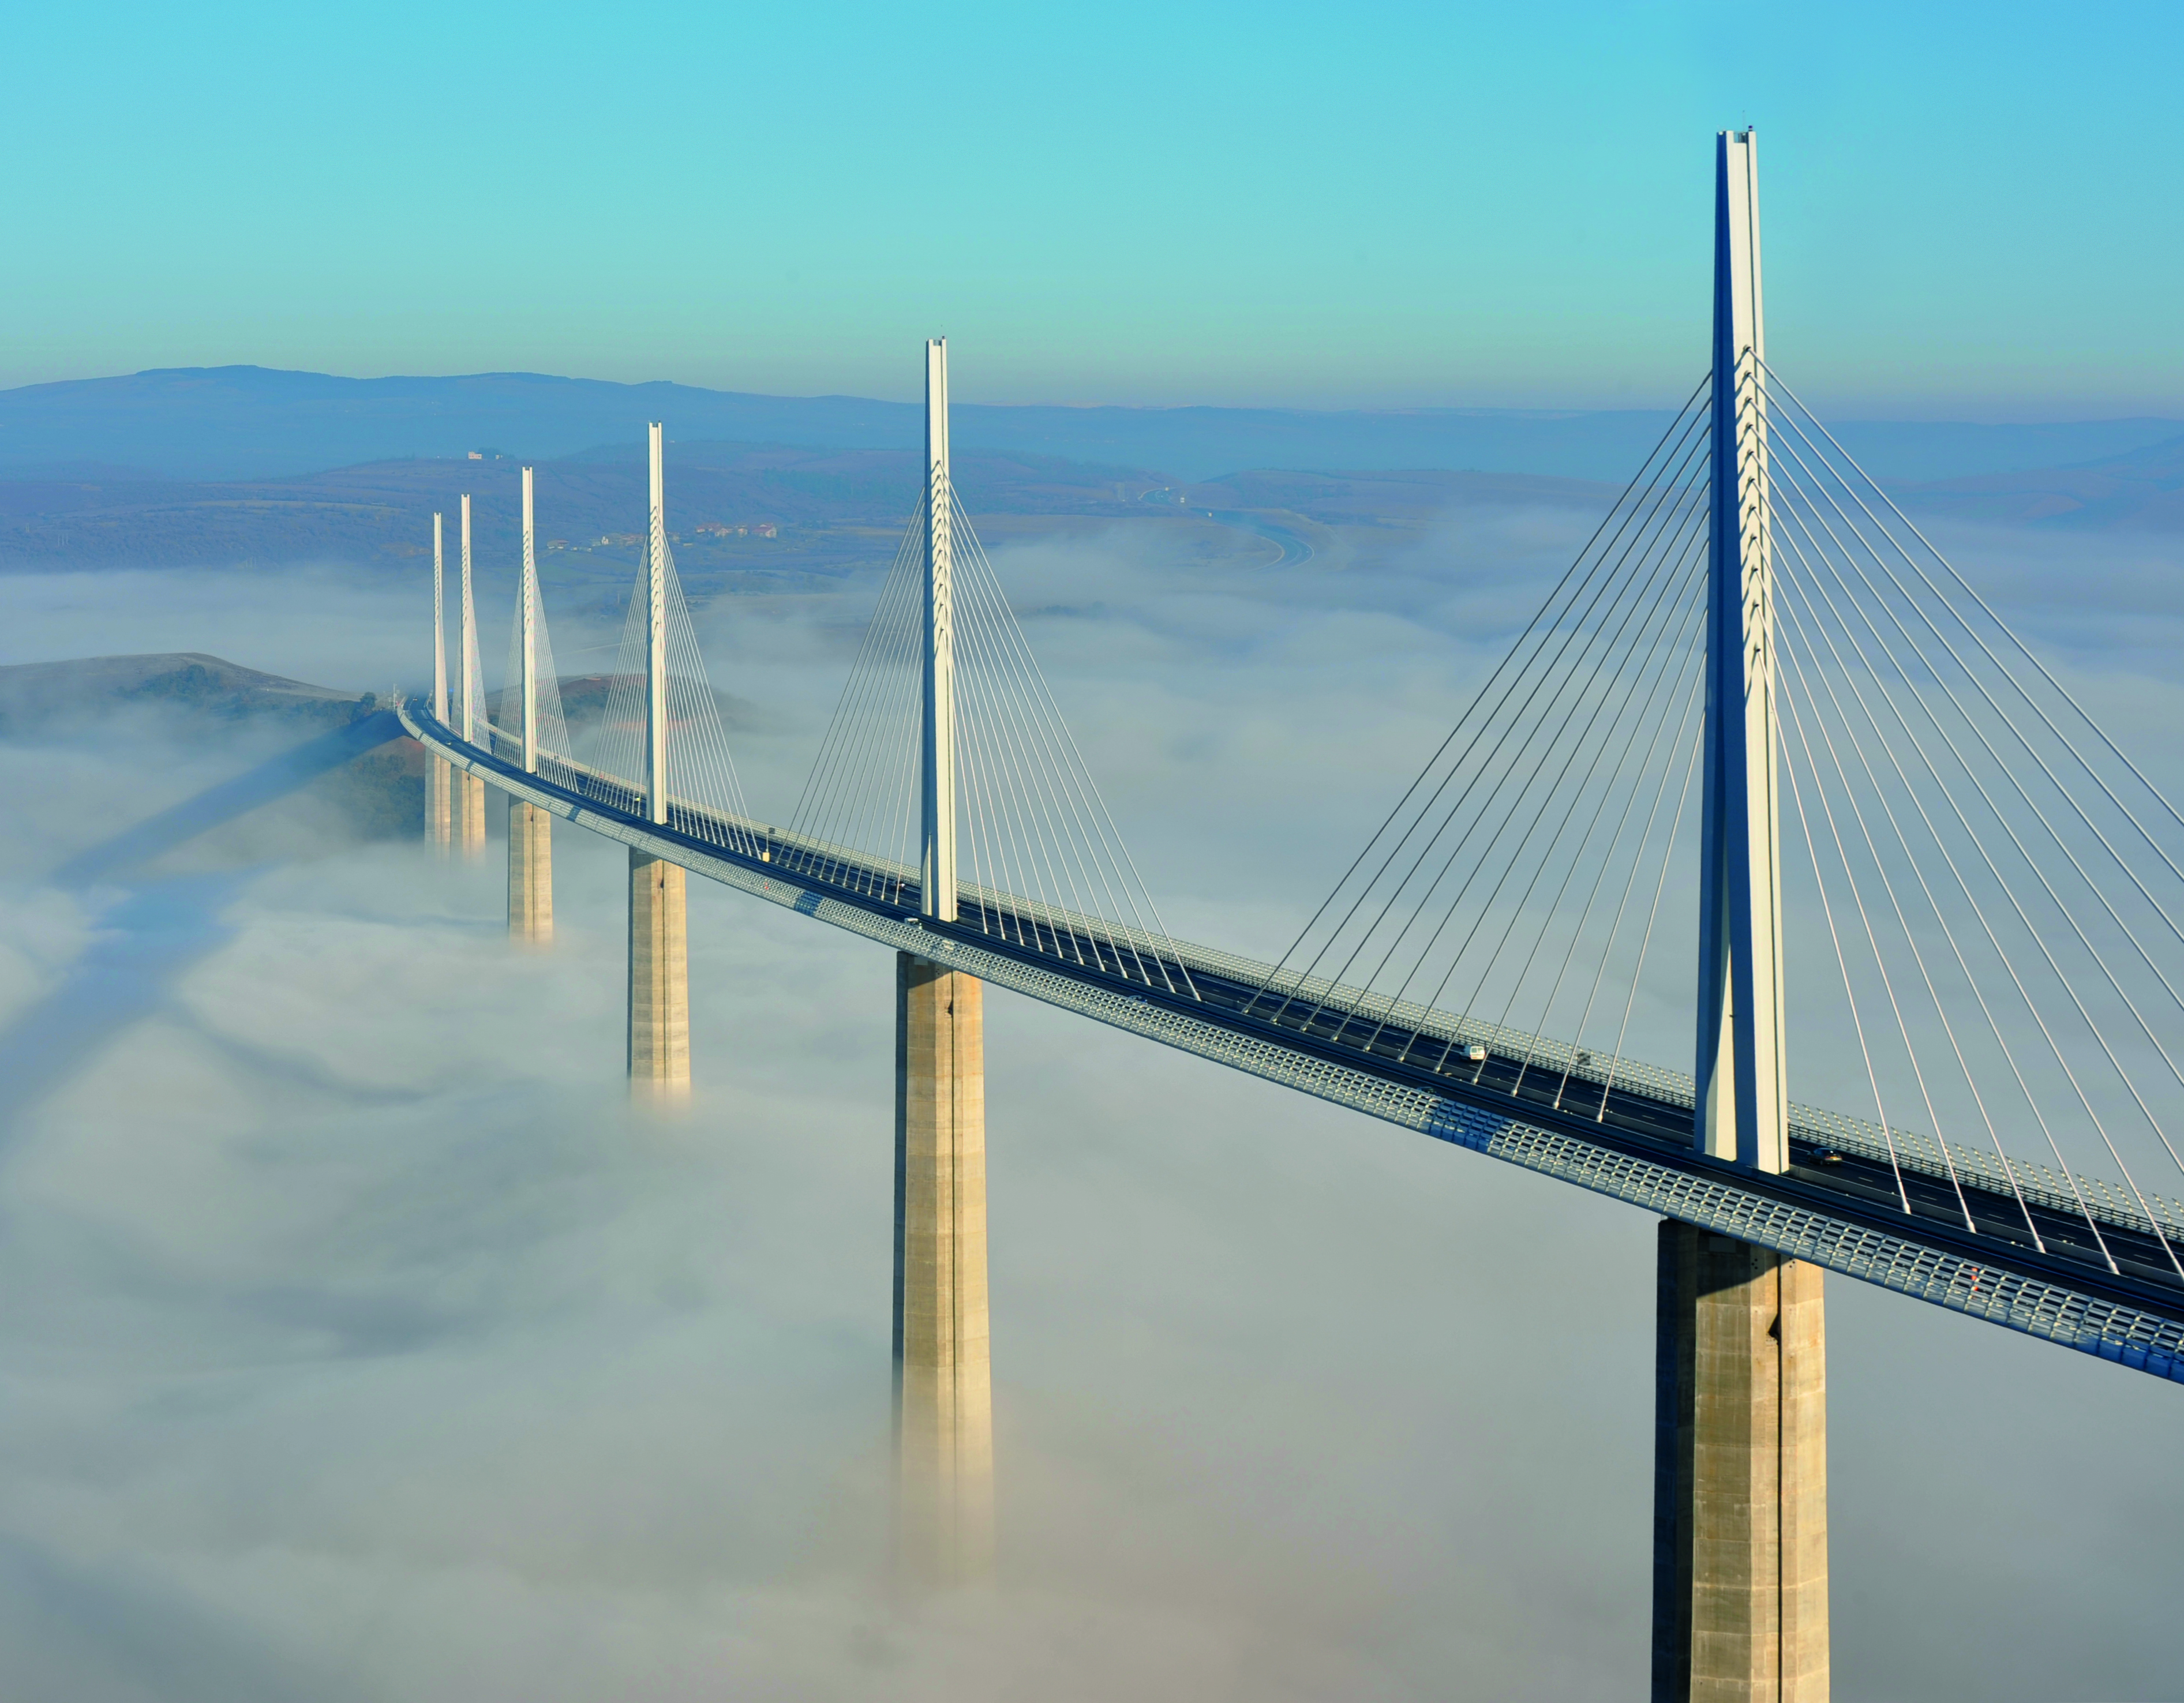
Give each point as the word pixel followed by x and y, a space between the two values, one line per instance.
pixel 1907 409
pixel 253 422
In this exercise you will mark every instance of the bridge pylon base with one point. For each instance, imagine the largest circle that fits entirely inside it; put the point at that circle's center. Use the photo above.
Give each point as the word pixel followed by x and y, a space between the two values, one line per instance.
pixel 943 1356
pixel 659 979
pixel 1741 1475
pixel 530 873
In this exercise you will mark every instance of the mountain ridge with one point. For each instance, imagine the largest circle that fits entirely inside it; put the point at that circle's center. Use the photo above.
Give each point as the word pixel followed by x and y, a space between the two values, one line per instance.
pixel 252 423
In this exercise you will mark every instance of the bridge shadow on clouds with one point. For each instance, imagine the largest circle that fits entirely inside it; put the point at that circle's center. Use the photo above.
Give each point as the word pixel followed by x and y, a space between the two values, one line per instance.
pixel 119 1626
pixel 161 926
pixel 143 946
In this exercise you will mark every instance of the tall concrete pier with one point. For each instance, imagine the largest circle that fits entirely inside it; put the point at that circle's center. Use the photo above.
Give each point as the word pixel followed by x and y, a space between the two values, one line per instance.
pixel 944 1378
pixel 470 789
pixel 470 792
pixel 943 1350
pixel 439 820
pixel 659 919
pixel 1741 1475
pixel 530 829
pixel 530 874
pixel 439 775
pixel 659 979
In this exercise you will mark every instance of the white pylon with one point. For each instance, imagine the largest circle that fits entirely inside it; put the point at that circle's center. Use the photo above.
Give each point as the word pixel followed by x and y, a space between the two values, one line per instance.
pixel 439 628
pixel 1741 1082
pixel 937 870
pixel 529 596
pixel 655 648
pixel 469 627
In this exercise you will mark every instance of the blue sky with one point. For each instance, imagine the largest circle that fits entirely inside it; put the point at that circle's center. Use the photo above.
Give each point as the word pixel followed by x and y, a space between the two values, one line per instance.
pixel 1969 211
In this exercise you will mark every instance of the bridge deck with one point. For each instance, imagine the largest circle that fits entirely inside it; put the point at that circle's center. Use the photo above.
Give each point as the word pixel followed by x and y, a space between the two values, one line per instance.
pixel 1594 1117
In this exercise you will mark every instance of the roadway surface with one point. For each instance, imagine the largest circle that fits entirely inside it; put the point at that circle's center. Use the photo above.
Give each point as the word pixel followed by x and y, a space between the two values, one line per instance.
pixel 1849 1187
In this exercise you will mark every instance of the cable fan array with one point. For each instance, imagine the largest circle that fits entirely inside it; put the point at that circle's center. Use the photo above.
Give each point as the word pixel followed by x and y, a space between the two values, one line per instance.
pixel 1041 865
pixel 470 707
pixel 552 728
pixel 1983 897
pixel 1518 881
pixel 705 795
pixel 2000 885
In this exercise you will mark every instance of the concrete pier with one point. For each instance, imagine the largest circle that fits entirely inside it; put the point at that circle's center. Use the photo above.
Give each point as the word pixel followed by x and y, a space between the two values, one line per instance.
pixel 659 979
pixel 470 793
pixel 530 873
pixel 439 788
pixel 944 1378
pixel 1741 1475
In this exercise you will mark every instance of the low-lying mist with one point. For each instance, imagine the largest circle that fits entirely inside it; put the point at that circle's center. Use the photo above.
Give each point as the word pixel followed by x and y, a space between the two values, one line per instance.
pixel 358 1342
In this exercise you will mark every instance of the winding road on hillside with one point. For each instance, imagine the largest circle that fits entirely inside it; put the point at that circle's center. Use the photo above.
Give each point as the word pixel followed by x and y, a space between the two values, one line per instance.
pixel 1295 553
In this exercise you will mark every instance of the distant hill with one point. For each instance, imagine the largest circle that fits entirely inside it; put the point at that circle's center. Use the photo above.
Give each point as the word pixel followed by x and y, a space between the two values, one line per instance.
pixel 34 695
pixel 1385 499
pixel 2142 490
pixel 584 698
pixel 768 513
pixel 380 795
pixel 253 423
pixel 380 512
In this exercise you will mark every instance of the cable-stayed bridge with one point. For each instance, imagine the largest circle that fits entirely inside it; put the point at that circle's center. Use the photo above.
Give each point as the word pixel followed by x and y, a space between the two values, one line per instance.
pixel 2026 1242
pixel 1763 750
